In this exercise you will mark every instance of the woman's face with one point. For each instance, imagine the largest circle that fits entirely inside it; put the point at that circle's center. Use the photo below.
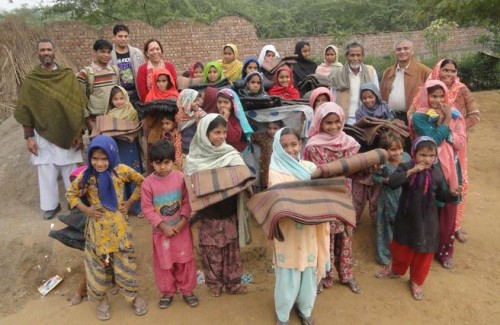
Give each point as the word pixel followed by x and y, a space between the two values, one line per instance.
pixel 270 54
pixel 213 75
pixel 330 56
pixel 154 52
pixel 306 51
pixel 447 73
pixel 228 54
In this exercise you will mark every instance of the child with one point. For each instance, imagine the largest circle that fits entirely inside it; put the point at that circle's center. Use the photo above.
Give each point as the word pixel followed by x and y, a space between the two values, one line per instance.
pixel 416 228
pixel 265 142
pixel 330 62
pixel 449 132
pixel 268 52
pixel 170 133
pixel 372 104
pixel 304 65
pixel 283 84
pixel 230 63
pixel 196 70
pixel 389 198
pixel 319 96
pixel 213 74
pixel 254 86
pixel 218 233
pixel 328 142
pixel 188 114
pixel 297 258
pixel 163 86
pixel 249 65
pixel 166 206
pixel 109 250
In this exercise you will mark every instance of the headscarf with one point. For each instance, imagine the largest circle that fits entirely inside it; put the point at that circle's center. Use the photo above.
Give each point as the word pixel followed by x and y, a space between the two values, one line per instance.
pixel 379 110
pixel 218 67
pixel 303 67
pixel 186 117
pixel 155 93
pixel 288 92
pixel 232 70
pixel 124 112
pixel 325 68
pixel 193 66
pixel 246 63
pixel 340 141
pixel 261 92
pixel 284 163
pixel 238 111
pixel 203 155
pixel 106 188
pixel 425 176
pixel 320 91
pixel 269 47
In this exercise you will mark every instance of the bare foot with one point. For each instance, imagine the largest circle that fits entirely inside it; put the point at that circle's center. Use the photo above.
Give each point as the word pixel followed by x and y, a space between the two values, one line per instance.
pixel 114 290
pixel 75 299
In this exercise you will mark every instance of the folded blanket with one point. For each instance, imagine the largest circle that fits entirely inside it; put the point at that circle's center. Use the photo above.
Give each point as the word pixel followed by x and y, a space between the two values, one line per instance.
pixel 114 127
pixel 305 202
pixel 354 164
pixel 312 82
pixel 155 106
pixel 356 132
pixel 269 67
pixel 374 128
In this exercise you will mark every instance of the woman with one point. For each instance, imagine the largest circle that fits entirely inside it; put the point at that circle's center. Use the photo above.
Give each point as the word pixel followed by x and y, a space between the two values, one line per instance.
pixel 153 50
pixel 304 65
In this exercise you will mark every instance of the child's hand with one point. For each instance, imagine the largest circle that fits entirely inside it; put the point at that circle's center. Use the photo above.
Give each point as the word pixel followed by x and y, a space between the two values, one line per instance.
pixel 125 206
pixel 168 230
pixel 180 225
pixel 446 109
pixel 93 212
pixel 457 192
pixel 225 113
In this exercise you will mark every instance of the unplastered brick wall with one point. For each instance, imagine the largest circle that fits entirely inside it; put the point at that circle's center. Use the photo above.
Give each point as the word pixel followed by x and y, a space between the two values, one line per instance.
pixel 185 42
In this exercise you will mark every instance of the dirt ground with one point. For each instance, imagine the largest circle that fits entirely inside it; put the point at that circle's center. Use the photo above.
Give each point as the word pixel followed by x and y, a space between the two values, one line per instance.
pixel 468 294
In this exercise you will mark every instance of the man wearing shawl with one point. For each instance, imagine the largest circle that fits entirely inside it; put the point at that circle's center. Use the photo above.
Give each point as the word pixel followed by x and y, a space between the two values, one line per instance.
pixel 402 80
pixel 50 108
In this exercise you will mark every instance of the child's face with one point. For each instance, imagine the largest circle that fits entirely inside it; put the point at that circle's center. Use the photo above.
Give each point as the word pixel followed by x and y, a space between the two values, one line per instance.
pixel 368 98
pixel 283 78
pixel 330 56
pixel 254 84
pixel 103 56
pixel 427 156
pixel 395 152
pixel 118 99
pixel 167 125
pixel 323 98
pixel 331 124
pixel 213 75
pixel 99 160
pixel 228 55
pixel 436 99
pixel 163 167
pixel 224 104
pixel 197 103
pixel 270 54
pixel 271 129
pixel 217 136
pixel 291 144
pixel 306 51
pixel 252 66
pixel 162 82
pixel 198 72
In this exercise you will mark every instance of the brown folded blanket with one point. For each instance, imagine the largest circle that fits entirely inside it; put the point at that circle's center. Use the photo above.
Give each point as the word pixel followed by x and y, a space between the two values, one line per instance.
pixel 207 187
pixel 122 129
pixel 354 164
pixel 375 127
pixel 306 202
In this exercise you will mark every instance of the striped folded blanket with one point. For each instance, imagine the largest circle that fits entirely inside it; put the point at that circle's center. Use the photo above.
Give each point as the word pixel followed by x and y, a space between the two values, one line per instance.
pixel 306 202
pixel 353 164
pixel 375 127
pixel 114 127
pixel 211 186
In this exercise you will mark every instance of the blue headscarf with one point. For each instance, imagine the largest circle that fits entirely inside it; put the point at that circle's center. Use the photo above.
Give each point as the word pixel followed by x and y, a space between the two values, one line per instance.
pixel 283 162
pixel 105 186
pixel 246 63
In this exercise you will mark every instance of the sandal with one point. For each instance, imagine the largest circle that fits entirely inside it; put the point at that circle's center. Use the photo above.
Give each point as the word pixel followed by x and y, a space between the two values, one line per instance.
pixel 462 235
pixel 103 313
pixel 386 273
pixel 353 285
pixel 215 292
pixel 449 264
pixel 191 300
pixel 165 301
pixel 240 290
pixel 416 291
pixel 140 306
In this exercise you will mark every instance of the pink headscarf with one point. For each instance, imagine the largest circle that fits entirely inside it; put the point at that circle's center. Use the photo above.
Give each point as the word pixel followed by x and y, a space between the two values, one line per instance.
pixel 339 141
pixel 423 102
pixel 320 91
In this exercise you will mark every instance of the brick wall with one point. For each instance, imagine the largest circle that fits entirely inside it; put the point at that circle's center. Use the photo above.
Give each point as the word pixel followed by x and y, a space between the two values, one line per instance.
pixel 186 42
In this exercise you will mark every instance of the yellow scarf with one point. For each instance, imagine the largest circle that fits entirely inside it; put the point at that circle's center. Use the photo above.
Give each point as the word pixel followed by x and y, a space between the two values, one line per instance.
pixel 232 70
pixel 125 112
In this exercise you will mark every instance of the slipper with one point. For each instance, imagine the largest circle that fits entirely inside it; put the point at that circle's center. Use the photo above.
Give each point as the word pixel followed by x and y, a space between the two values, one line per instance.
pixel 416 291
pixel 191 300
pixel 215 292
pixel 240 290
pixel 103 314
pixel 461 235
pixel 449 264
pixel 140 306
pixel 165 301
pixel 353 285
pixel 386 273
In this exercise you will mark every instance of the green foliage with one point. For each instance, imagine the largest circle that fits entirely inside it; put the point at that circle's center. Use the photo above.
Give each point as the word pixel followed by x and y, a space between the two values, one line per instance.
pixel 437 33
pixel 479 71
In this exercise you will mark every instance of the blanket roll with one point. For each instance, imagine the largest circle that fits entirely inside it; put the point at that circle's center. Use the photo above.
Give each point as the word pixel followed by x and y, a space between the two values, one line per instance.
pixel 353 164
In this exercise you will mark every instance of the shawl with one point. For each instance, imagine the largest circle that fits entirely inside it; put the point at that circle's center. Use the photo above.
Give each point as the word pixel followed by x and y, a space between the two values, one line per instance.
pixel 193 66
pixel 284 163
pixel 262 55
pixel 203 155
pixel 288 92
pixel 107 193
pixel 340 141
pixel 325 68
pixel 380 110
pixel 52 103
pixel 303 67
pixel 232 70
pixel 320 91
pixel 238 111
pixel 246 63
pixel 155 93
pixel 260 93
pixel 185 116
pixel 125 112
pixel 339 78
pixel 218 67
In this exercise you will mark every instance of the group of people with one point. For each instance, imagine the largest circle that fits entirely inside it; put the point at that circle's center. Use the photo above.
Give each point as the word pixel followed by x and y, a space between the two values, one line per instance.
pixel 416 199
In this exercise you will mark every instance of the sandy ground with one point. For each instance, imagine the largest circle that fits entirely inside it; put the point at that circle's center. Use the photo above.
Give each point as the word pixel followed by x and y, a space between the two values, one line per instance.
pixel 467 294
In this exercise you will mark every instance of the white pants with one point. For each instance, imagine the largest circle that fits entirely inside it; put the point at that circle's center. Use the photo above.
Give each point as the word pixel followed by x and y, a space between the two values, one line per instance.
pixel 48 186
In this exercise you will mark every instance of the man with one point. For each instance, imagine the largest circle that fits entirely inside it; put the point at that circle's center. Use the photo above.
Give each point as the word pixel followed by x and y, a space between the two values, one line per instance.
pixel 346 82
pixel 50 107
pixel 97 80
pixel 401 81
pixel 127 59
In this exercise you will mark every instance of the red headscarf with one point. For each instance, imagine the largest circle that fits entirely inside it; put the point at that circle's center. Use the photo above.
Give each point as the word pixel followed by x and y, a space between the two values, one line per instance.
pixel 288 92
pixel 155 93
